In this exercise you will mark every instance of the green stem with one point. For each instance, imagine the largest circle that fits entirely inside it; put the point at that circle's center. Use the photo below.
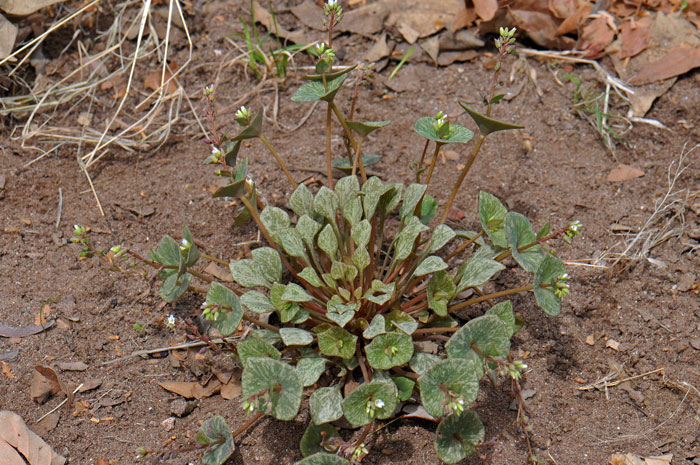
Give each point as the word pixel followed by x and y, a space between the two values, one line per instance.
pixel 214 259
pixel 506 253
pixel 329 160
pixel 462 175
pixel 280 162
pixel 433 162
pixel 435 330
pixel 476 300
pixel 262 324
pixel 348 132
pixel 247 424
pixel 358 160
pixel 461 248
pixel 420 163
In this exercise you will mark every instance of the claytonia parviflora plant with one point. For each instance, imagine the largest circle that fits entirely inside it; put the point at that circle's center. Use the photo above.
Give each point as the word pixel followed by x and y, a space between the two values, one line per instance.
pixel 352 302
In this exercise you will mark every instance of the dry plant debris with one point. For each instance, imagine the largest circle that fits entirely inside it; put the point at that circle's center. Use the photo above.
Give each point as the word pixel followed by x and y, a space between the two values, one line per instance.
pixel 21 446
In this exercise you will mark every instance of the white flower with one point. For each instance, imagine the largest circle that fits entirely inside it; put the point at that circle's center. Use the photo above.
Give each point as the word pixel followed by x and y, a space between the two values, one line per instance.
pixel 171 320
pixel 185 242
pixel 379 403
pixel 331 3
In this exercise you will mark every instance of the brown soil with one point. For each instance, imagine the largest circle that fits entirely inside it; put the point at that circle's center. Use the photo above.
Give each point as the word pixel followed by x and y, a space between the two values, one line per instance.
pixel 645 307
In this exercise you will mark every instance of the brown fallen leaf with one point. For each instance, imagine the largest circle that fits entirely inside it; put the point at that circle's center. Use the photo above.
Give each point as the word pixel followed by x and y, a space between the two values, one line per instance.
pixel 231 390
pixel 562 9
pixel 11 331
pixel 20 446
pixel 72 366
pixel 675 62
pixel 485 9
pixel 455 214
pixel 41 318
pixel 596 36
pixel 624 173
pixel 659 460
pixel 634 37
pixel 464 18
pixel 572 23
pixel 47 423
pixel 90 384
pixel 153 79
pixel 218 272
pixel 47 383
pixel 7 370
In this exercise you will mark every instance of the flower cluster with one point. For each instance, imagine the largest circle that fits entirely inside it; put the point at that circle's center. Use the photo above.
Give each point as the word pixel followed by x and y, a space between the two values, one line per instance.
pixel 242 116
pixel 561 285
pixel 442 126
pixel 372 405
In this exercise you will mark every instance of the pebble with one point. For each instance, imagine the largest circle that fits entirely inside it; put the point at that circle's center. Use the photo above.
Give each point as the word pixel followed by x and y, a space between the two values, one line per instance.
pixel 695 342
pixel 168 424
pixel 181 408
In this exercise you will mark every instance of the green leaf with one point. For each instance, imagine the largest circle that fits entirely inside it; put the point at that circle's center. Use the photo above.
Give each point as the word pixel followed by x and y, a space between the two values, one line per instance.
pixel 296 337
pixel 550 269
pixel 476 271
pixel 313 437
pixel 389 350
pixel 174 286
pixel 341 319
pixel 519 233
pixel 314 90
pixel 257 302
pixel 192 251
pixel 544 231
pixel 228 320
pixel 274 219
pixel 375 328
pixel 428 209
pixel 247 273
pixel 390 198
pixel 372 190
pixel 406 239
pixel 328 279
pixel 333 75
pixel 441 290
pixel 291 242
pixel 345 165
pixel 255 347
pixel 412 196
pixel 337 342
pixel 340 270
pixel 366 127
pixel 360 258
pixel 458 134
pixel 504 311
pixel 492 213
pixel 296 293
pixel 302 201
pixel 323 459
pixel 309 275
pixel 401 321
pixel 422 362
pixel 446 382
pixel 457 435
pixel 328 242
pixel 325 405
pixel 310 369
pixel 360 233
pixel 253 130
pixel 355 405
pixel 281 381
pixel 441 236
pixel 405 386
pixel 486 335
pixel 289 312
pixel 429 265
pixel 379 293
pixel 269 263
pixel 235 189
pixel 326 204
pixel 486 124
pixel 215 429
pixel 307 229
pixel 347 189
pixel 231 153
pixel 167 253
pixel 267 335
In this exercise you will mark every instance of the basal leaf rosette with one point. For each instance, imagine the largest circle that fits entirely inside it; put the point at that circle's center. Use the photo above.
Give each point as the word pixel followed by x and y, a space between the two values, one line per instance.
pixel 215 435
pixel 457 435
pixel 449 386
pixel 376 399
pixel 272 387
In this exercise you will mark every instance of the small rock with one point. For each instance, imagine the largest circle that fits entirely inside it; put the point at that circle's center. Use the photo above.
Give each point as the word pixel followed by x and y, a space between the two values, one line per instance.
pixel 686 282
pixel 613 344
pixel 168 424
pixel 590 340
pixel 181 408
pixel 451 155
pixel 695 342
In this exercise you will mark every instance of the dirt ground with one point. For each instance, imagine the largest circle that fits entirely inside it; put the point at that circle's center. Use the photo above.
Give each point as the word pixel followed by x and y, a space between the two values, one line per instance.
pixel 637 317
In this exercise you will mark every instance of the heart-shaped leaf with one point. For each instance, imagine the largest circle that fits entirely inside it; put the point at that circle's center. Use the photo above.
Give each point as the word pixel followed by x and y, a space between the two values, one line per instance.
pixel 366 127
pixel 429 265
pixel 504 311
pixel 448 386
pixel 457 435
pixel 476 271
pixel 255 347
pixel 337 342
pixel 313 437
pixel 441 290
pixel 315 90
pixel 486 335
pixel 167 253
pixel 235 189
pixel 269 263
pixel 389 350
pixel 458 134
pixel 375 328
pixel 215 430
pixel 401 321
pixel 274 219
pixel 302 201
pixel 281 382
pixel 322 458
pixel 310 369
pixel 296 337
pixel 325 405
pixel 174 286
pixel 372 400
pixel 492 213
pixel 257 302
pixel 519 234
pixel 227 320
pixel 413 195
pixel 550 269
pixel 309 275
pixel 422 362
pixel 442 234
pixel 247 273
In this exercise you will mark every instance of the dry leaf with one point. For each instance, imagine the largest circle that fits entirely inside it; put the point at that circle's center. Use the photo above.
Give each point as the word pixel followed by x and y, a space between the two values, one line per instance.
pixel 634 37
pixel 379 50
pixel 192 390
pixel 153 79
pixel 596 36
pixel 675 62
pixel 231 390
pixel 44 386
pixel 218 272
pixel 90 384
pixel 21 446
pixel 590 340
pixel 455 214
pixel 72 366
pixel 310 14
pixel 464 18
pixel 624 173
pixel 47 423
pixel 613 344
pixel 659 460
pixel 8 34
pixel 485 9
pixel 571 23
pixel 7 370
pixel 10 331
pixel 24 7
pixel 562 9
